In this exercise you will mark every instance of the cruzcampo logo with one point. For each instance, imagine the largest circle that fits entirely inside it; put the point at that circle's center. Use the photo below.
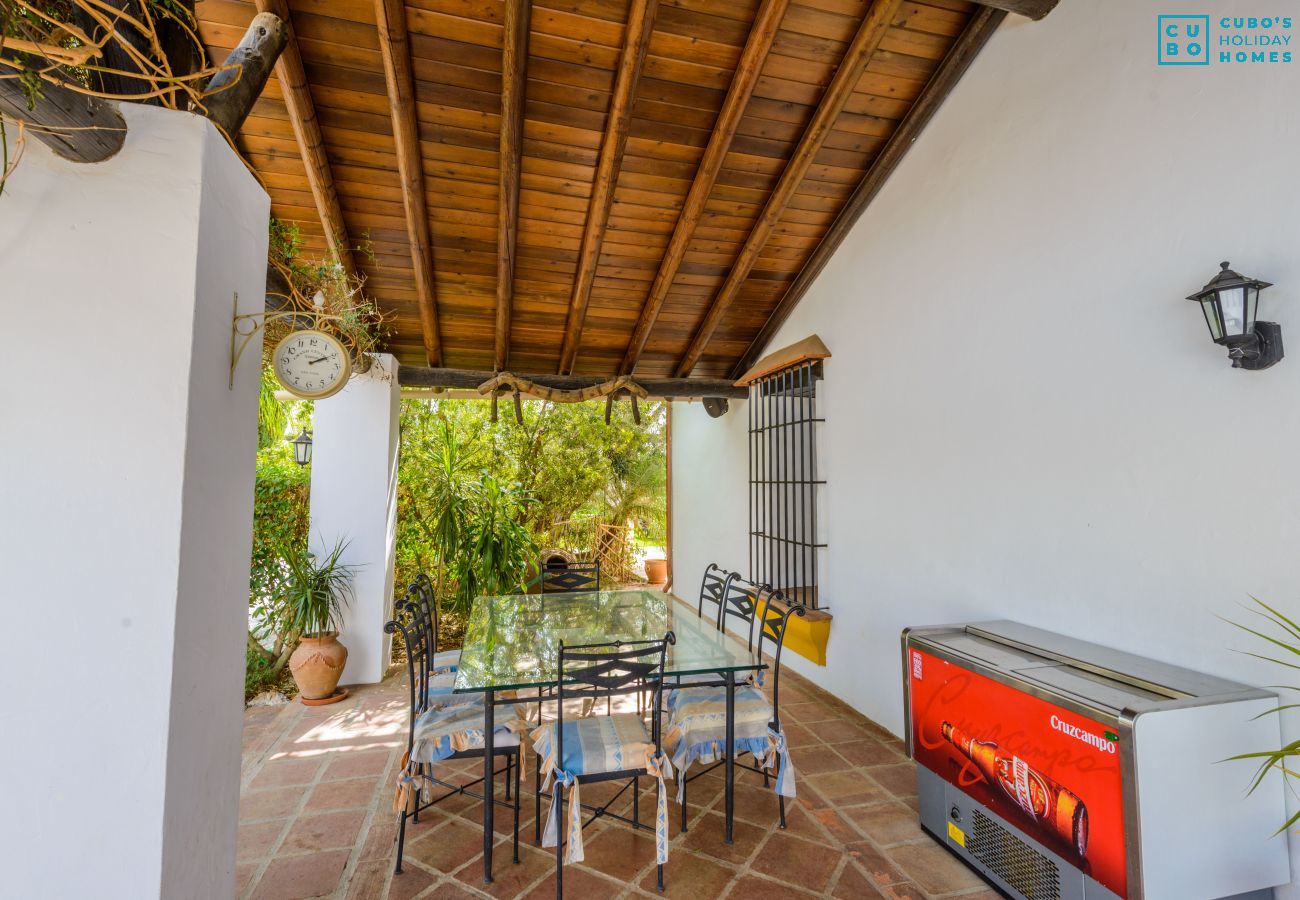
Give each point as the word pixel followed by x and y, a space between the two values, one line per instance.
pixel 1183 40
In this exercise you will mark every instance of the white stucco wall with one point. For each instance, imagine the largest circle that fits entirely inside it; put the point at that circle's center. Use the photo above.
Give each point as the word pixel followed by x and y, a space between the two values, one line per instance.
pixel 1025 419
pixel 126 477
pixel 354 498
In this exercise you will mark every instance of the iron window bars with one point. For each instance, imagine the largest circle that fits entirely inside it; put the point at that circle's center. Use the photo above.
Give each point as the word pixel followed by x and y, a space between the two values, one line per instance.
pixel 783 481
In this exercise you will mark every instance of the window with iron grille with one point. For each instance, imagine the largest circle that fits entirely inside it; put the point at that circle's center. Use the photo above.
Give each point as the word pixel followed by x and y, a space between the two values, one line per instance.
pixel 783 482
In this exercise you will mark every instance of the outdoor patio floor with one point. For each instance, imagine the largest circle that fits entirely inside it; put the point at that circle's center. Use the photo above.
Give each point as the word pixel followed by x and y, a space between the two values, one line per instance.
pixel 316 819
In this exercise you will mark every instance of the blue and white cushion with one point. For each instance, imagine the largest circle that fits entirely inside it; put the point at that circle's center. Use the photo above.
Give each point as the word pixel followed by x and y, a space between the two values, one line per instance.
pixel 595 746
pixel 697 732
pixel 446 661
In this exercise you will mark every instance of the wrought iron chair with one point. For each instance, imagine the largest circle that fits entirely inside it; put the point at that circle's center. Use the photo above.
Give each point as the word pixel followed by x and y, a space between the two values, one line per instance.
pixel 571 577
pixel 697 711
pixel 714 587
pixel 603 748
pixel 444 726
pixel 421 594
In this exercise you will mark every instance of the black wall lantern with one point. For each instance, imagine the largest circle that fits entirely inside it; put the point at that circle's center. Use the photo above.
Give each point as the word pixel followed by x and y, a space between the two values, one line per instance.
pixel 302 448
pixel 1229 302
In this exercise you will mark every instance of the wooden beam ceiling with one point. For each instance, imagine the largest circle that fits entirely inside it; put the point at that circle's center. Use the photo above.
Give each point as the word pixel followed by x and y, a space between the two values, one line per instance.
pixel 963 53
pixel 837 94
pixel 514 73
pixel 1033 9
pixel 748 70
pixel 311 144
pixel 395 48
pixel 640 22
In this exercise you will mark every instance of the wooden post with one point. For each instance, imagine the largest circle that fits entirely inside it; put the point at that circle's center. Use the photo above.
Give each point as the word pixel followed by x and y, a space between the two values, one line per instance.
pixel 233 91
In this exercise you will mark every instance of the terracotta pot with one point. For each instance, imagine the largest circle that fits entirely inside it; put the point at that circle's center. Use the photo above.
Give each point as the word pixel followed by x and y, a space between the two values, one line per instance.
pixel 656 571
pixel 317 665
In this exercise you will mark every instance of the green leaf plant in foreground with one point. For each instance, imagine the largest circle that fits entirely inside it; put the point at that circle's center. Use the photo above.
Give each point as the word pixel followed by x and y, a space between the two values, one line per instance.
pixel 1282 635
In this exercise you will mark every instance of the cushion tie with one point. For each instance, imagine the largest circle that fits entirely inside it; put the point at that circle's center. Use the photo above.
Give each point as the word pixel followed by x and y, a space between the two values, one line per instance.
pixel 573 850
pixel 411 785
pixel 659 767
pixel 779 752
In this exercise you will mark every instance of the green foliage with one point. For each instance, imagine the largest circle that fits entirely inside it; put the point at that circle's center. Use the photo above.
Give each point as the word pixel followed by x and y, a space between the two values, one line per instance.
pixel 312 591
pixel 1283 636
pixel 281 498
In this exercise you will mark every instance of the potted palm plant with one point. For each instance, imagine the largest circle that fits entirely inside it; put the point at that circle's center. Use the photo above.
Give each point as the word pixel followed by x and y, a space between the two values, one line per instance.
pixel 314 591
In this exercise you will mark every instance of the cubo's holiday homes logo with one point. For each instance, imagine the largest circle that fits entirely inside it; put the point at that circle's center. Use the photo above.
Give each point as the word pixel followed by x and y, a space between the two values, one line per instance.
pixel 1200 40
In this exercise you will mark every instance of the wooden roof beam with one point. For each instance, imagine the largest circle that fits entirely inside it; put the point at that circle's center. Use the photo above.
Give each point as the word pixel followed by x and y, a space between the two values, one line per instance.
pixel 311 144
pixel 395 48
pixel 1033 9
pixel 640 22
pixel 514 72
pixel 468 379
pixel 954 66
pixel 757 47
pixel 872 30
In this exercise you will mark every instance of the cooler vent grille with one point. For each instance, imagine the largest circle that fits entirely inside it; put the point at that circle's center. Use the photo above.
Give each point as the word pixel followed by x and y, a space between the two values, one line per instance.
pixel 1028 872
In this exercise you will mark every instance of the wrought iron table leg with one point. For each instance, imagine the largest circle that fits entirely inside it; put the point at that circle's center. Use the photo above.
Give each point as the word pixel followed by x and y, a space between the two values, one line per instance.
pixel 489 781
pixel 731 751
pixel 519 764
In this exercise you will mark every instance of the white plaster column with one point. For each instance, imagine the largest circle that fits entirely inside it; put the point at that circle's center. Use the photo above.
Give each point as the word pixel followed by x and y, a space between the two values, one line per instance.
pixel 354 497
pixel 126 495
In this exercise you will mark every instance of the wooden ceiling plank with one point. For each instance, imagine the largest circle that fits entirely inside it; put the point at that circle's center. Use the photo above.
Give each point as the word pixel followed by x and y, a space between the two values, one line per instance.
pixel 311 143
pixel 514 80
pixel 967 46
pixel 869 35
pixel 640 24
pixel 395 47
pixel 751 62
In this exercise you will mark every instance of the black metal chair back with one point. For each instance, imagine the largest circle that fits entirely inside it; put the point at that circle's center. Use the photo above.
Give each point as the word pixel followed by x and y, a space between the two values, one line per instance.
pixel 765 614
pixel 407 620
pixel 571 577
pixel 610 670
pixel 421 594
pixel 713 588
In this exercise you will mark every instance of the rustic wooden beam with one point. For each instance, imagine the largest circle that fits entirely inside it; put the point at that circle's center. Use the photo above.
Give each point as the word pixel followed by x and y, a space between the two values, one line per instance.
pixel 395 48
pixel 640 22
pixel 757 47
pixel 1033 9
pixel 465 379
pixel 950 71
pixel 514 71
pixel 311 144
pixel 116 70
pixel 874 25
pixel 76 127
pixel 236 87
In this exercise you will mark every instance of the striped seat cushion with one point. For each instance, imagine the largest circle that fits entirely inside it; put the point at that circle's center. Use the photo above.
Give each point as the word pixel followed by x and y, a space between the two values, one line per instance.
pixel 445 729
pixel 442 691
pixel 447 660
pixel 697 731
pixel 596 745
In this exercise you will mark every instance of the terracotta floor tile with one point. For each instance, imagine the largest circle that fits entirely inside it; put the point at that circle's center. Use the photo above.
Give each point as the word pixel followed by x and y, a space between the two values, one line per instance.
pixel 757 804
pixel 887 823
pixel 848 788
pixel 349 794
pixel 799 862
pixel 689 876
pixel 300 877
pixel 323 831
pixel 818 759
pixel 878 867
pixel 752 887
pixel 853 884
pixel 286 772
pixel 802 823
pixel 447 889
pixel 382 837
pixel 370 879
pixel 806 713
pixel 797 736
pixel 708 836
pixel 243 875
pixel 578 883
pixel 271 804
pixel 257 841
pixel 508 879
pixel 410 883
pixel 868 752
pixel 838 731
pixel 899 780
pixel 448 847
pixel 620 852
pixel 356 764
pixel 933 868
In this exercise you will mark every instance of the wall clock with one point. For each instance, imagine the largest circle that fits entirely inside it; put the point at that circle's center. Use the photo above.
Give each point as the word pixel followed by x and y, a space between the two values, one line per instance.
pixel 312 365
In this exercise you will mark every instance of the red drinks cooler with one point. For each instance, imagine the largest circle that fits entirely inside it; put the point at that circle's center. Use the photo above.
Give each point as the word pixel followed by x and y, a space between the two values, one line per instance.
pixel 1062 770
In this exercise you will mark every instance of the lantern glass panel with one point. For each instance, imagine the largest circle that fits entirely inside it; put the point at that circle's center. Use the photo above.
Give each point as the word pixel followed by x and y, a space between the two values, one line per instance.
pixel 1212 317
pixel 1233 303
pixel 1252 300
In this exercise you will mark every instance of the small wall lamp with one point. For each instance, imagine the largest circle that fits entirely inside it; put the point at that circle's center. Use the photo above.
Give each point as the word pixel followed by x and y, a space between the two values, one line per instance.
pixel 302 448
pixel 1229 302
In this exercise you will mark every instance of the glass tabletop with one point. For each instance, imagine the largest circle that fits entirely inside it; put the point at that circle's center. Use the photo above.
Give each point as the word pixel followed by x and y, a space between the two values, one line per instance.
pixel 514 641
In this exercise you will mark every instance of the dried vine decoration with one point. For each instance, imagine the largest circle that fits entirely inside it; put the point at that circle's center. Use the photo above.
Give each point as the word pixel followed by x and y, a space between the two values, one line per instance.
pixel 318 295
pixel 508 382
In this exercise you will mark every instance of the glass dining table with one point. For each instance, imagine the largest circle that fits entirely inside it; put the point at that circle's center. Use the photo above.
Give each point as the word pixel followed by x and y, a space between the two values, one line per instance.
pixel 512 643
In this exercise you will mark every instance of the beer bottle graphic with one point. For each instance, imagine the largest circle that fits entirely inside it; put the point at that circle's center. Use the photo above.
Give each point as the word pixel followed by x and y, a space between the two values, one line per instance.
pixel 1051 806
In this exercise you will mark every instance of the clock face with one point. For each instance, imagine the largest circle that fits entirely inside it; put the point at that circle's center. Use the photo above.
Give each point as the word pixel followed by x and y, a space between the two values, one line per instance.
pixel 311 364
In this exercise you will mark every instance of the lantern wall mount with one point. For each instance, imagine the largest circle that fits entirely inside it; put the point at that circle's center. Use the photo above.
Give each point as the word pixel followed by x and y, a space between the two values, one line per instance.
pixel 302 448
pixel 1229 302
